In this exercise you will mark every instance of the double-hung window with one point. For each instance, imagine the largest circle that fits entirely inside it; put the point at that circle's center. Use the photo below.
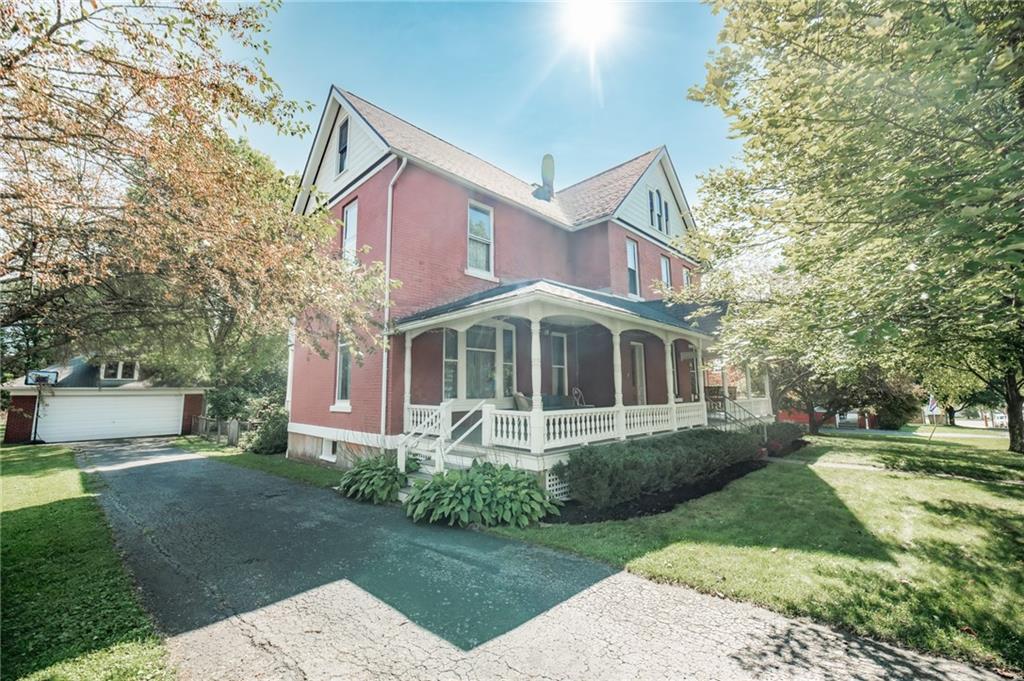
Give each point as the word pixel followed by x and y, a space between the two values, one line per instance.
pixel 667 231
pixel 481 362
pixel 666 270
pixel 351 230
pixel 633 267
pixel 342 145
pixel 559 375
pixel 686 278
pixel 451 364
pixel 650 204
pixel 480 258
pixel 344 372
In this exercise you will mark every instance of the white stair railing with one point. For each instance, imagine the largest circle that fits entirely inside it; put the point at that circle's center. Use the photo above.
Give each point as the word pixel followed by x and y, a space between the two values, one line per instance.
pixel 429 421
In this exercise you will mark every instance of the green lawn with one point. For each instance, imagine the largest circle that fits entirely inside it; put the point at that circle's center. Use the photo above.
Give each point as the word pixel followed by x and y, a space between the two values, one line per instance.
pixel 275 464
pixel 930 562
pixel 69 607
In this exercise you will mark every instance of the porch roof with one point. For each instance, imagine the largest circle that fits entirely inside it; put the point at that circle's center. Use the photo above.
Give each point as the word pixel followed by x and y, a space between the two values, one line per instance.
pixel 656 311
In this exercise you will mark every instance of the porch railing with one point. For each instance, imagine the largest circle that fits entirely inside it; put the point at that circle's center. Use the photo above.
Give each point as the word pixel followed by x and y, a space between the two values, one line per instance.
pixel 578 426
pixel 648 419
pixel 571 427
pixel 691 414
pixel 747 406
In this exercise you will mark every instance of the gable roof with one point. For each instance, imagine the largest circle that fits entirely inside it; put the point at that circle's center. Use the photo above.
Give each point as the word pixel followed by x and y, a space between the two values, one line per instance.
pixel 586 201
pixel 652 310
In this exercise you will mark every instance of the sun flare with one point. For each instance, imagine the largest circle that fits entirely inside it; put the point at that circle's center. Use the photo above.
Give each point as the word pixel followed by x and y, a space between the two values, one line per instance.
pixel 590 23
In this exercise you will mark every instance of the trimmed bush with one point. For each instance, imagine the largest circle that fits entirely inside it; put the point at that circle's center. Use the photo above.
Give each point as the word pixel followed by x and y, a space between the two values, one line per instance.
pixel 608 475
pixel 375 479
pixel 484 494
pixel 781 436
pixel 271 434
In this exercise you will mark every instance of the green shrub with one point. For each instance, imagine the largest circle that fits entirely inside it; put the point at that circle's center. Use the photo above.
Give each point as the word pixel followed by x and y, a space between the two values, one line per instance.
pixel 484 494
pixel 608 475
pixel 782 435
pixel 270 436
pixel 375 479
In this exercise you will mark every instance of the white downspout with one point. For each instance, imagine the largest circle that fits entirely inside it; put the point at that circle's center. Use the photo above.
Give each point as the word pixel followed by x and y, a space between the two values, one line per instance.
pixel 387 305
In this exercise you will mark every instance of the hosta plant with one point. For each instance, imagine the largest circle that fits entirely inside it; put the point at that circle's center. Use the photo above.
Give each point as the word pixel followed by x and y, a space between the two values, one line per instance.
pixel 484 494
pixel 375 479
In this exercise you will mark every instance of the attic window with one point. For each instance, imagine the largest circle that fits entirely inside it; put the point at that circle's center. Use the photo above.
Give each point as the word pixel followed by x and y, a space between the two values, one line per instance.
pixel 666 218
pixel 342 145
pixel 660 208
pixel 120 371
pixel 650 204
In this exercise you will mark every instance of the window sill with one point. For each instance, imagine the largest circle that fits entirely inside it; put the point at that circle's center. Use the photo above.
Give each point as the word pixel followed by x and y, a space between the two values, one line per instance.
pixel 344 407
pixel 633 296
pixel 329 458
pixel 480 274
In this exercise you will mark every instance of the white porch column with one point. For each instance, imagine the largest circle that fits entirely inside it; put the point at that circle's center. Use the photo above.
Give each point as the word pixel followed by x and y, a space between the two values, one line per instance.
pixel 750 388
pixel 700 371
pixel 407 399
pixel 620 413
pixel 670 381
pixel 537 406
pixel 768 392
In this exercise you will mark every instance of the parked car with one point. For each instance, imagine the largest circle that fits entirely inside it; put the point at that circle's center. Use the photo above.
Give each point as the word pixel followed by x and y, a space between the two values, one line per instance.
pixel 999 420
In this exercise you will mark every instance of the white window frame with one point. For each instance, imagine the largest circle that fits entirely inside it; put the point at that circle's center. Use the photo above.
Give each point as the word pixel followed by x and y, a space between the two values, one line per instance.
pixel 350 232
pixel 666 270
pixel 638 350
pixel 120 376
pixel 342 404
pixel 565 358
pixel 329 450
pixel 661 208
pixel 686 277
pixel 633 263
pixel 475 271
pixel 461 389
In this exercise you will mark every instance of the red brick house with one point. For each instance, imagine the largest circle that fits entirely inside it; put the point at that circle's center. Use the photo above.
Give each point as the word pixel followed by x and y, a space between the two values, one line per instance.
pixel 528 318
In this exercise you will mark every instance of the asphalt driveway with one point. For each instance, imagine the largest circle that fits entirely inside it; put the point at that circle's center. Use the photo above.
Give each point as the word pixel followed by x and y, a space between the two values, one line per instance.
pixel 252 576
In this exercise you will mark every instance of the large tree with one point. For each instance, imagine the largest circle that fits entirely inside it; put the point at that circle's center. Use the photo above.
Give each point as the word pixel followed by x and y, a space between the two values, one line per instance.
pixel 883 162
pixel 126 206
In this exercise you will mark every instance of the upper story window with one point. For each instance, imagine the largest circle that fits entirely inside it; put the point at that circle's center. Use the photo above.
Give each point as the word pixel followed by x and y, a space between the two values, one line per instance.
pixel 661 208
pixel 686 278
pixel 633 267
pixel 666 270
pixel 344 377
pixel 480 258
pixel 351 231
pixel 667 231
pixel 342 145
pixel 120 371
pixel 650 204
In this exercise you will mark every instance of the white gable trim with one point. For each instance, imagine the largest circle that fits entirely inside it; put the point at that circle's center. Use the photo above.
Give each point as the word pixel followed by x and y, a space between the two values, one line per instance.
pixel 336 102
pixel 662 163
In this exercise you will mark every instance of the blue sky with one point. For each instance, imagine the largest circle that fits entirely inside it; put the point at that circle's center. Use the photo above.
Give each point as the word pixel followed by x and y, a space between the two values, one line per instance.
pixel 504 82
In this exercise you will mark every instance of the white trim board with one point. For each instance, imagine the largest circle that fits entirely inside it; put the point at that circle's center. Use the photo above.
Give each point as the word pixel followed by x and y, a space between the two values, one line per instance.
pixel 356 437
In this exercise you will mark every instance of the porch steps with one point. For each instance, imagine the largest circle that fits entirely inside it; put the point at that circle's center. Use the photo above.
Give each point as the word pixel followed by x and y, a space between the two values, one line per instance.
pixel 454 460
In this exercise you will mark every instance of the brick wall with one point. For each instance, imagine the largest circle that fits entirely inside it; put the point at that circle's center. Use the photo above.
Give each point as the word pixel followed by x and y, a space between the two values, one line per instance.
pixel 193 407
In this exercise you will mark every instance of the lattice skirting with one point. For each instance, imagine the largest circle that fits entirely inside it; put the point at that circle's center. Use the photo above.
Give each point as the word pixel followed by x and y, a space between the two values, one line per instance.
pixel 557 488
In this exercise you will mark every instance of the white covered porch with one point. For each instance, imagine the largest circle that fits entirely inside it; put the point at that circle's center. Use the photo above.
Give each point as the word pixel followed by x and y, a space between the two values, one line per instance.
pixel 629 370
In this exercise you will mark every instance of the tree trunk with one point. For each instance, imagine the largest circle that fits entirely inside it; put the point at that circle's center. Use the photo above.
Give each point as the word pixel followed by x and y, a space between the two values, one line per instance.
pixel 812 423
pixel 1014 411
pixel 950 416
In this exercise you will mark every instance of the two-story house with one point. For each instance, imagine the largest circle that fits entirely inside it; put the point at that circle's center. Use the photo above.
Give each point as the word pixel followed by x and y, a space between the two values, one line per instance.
pixel 528 318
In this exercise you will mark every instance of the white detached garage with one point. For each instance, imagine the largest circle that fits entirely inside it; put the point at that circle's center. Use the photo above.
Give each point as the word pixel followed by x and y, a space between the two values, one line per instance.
pixel 95 401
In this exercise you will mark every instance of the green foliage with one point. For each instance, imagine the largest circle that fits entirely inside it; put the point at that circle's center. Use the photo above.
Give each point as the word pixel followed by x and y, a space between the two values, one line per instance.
pixel 895 410
pixel 270 436
pixel 881 182
pixel 375 479
pixel 608 475
pixel 781 435
pixel 485 494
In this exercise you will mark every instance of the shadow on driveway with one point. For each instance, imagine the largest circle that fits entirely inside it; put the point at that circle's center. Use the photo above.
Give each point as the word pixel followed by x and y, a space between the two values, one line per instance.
pixel 207 540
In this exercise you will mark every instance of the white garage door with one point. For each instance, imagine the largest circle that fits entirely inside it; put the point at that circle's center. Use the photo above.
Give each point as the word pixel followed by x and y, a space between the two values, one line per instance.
pixel 65 418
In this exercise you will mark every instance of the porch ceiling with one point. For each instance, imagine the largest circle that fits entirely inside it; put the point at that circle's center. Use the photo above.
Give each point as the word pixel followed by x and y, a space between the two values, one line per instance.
pixel 567 305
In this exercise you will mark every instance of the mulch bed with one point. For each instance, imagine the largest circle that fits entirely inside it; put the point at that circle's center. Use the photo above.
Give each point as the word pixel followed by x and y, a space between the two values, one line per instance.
pixel 651 504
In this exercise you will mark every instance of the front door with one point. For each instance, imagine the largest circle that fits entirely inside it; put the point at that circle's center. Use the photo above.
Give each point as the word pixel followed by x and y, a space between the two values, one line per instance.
pixel 639 373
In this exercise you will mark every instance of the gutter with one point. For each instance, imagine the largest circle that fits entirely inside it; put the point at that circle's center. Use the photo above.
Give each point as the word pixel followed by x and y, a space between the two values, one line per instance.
pixel 387 300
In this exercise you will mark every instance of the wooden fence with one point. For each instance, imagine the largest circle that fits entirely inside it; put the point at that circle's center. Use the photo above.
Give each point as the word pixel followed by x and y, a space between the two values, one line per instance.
pixel 229 432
